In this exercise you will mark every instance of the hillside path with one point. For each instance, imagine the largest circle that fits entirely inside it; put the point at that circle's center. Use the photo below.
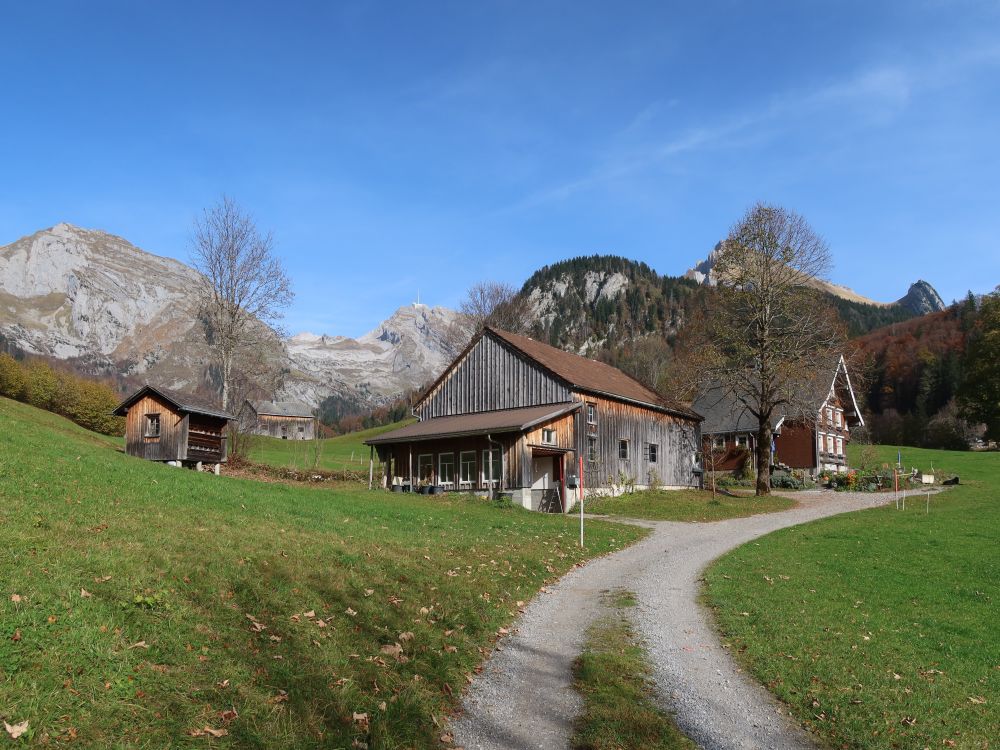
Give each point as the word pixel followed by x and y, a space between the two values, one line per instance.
pixel 524 697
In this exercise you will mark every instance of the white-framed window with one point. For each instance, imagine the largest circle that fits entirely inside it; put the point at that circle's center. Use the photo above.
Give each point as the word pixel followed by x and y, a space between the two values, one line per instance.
pixel 467 467
pixel 840 446
pixel 446 468
pixel 591 413
pixel 152 425
pixel 592 449
pixel 425 468
pixel 650 452
pixel 820 444
pixel 623 450
pixel 829 444
pixel 492 455
pixel 719 442
pixel 742 441
pixel 548 436
pixel 829 415
pixel 837 419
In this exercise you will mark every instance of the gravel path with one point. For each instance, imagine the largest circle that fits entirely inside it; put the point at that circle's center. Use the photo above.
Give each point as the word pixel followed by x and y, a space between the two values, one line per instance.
pixel 524 697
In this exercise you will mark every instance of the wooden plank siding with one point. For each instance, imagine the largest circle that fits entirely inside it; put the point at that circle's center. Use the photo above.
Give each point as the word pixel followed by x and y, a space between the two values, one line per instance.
pixel 678 441
pixel 183 437
pixel 273 425
pixel 168 446
pixel 491 376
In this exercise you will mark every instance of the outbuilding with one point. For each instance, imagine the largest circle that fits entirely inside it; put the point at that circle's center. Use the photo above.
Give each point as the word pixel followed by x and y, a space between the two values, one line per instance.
pixel 286 420
pixel 175 428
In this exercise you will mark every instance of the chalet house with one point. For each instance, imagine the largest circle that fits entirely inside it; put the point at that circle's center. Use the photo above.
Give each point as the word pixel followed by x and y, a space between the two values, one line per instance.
pixel 163 425
pixel 288 420
pixel 730 431
pixel 517 415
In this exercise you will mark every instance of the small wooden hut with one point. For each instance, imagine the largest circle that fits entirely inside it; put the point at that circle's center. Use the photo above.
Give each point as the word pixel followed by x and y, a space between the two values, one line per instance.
pixel 287 420
pixel 178 429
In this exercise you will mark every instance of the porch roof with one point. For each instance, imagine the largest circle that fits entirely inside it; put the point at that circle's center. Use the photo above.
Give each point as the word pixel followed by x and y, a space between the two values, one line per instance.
pixel 480 423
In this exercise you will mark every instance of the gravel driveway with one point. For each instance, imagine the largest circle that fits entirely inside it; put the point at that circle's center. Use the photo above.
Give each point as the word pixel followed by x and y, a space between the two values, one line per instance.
pixel 524 697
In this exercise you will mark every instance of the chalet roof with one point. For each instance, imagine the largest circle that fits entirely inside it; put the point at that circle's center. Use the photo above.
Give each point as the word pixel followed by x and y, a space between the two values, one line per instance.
pixel 479 423
pixel 724 413
pixel 183 402
pixel 282 408
pixel 585 374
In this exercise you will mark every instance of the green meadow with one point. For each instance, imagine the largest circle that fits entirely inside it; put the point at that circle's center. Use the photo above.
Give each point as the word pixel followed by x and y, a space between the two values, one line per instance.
pixel 148 606
pixel 879 629
pixel 341 453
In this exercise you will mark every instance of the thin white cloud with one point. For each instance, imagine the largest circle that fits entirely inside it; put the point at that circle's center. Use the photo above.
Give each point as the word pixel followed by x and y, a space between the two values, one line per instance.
pixel 877 94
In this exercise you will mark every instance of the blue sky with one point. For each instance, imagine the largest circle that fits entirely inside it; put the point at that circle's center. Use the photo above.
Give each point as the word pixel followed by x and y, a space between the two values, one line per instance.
pixel 397 147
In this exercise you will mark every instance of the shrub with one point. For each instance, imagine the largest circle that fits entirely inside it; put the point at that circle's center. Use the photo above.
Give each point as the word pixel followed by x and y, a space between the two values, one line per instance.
pixel 783 480
pixel 86 402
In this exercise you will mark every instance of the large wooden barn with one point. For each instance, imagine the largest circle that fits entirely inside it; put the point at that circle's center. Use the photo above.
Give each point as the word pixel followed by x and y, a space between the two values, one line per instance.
pixel 287 420
pixel 814 444
pixel 514 414
pixel 163 425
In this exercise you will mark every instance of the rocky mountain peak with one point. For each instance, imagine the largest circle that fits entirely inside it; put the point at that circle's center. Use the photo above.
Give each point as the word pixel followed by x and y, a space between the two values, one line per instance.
pixel 922 298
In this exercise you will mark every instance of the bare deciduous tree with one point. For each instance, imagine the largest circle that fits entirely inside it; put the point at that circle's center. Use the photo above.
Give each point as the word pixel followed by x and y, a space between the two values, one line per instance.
pixel 489 303
pixel 244 290
pixel 768 340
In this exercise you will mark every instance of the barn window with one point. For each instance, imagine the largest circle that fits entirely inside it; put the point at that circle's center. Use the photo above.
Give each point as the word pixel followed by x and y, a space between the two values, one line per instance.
pixel 302 429
pixel 548 436
pixel 719 441
pixel 840 446
pixel 591 413
pixel 829 443
pixel 742 441
pixel 819 442
pixel 837 418
pixel 650 451
pixel 152 425
pixel 592 449
pixel 467 467
pixel 623 450
pixel 829 415
pixel 446 469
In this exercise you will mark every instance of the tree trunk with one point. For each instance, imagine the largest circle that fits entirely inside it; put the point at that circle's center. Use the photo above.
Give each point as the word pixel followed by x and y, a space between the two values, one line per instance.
pixel 764 458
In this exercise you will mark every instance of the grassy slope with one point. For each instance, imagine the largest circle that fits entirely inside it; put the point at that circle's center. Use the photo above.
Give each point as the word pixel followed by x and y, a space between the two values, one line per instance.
pixel 879 628
pixel 167 644
pixel 685 505
pixel 333 454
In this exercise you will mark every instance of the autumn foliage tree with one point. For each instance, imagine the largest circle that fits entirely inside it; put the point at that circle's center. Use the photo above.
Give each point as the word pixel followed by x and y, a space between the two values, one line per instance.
pixel 979 393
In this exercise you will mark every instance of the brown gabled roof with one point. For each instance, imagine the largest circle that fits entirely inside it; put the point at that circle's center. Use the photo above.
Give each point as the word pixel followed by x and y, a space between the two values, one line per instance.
pixel 478 423
pixel 183 402
pixel 589 374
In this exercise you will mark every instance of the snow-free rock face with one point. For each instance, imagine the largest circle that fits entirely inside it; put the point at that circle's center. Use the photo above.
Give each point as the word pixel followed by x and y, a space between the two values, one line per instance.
pixel 401 353
pixel 68 292
pixel 922 298
pixel 73 293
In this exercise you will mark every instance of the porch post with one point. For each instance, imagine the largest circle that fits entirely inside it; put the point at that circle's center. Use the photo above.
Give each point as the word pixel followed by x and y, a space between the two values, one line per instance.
pixel 371 465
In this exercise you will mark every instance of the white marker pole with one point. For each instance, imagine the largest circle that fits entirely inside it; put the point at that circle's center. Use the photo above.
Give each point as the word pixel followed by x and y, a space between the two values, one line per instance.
pixel 928 503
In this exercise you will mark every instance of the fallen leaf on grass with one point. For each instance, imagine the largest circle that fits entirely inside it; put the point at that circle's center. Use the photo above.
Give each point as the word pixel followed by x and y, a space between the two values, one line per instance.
pixel 16 637
pixel 16 598
pixel 281 697
pixel 407 636
pixel 977 699
pixel 139 644
pixel 360 719
pixel 228 715
pixel 350 612
pixel 84 594
pixel 102 579
pixel 16 730
pixel 382 706
pixel 393 649
pixel 369 592
pixel 222 685
pixel 450 649
pixel 320 624
pixel 447 739
pixel 310 614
